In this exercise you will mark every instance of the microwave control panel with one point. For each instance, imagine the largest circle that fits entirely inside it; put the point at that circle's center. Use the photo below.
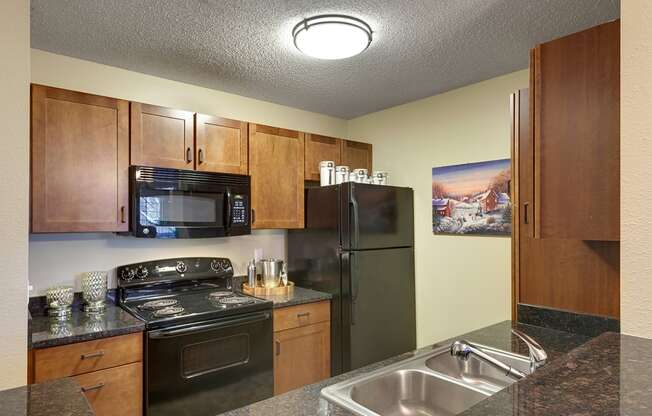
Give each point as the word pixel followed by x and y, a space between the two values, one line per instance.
pixel 239 208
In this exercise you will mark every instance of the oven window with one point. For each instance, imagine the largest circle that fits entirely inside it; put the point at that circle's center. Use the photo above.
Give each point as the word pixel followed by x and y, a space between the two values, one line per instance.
pixel 214 355
pixel 181 209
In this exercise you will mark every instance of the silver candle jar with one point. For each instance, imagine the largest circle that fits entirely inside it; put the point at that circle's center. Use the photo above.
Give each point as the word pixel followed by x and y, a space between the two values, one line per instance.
pixel 94 287
pixel 59 300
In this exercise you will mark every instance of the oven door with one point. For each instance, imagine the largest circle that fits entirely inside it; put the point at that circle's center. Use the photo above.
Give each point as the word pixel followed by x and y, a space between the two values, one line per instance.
pixel 209 368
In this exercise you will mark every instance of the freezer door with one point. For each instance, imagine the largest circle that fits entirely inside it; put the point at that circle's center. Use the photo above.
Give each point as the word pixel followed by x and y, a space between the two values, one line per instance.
pixel 378 306
pixel 374 216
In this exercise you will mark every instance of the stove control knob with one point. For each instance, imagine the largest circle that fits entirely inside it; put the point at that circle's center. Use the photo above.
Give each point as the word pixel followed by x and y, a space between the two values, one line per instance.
pixel 226 264
pixel 181 267
pixel 127 274
pixel 216 266
pixel 142 272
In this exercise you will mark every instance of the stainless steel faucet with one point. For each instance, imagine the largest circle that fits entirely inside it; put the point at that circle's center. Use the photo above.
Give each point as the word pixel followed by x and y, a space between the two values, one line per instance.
pixel 463 349
pixel 538 356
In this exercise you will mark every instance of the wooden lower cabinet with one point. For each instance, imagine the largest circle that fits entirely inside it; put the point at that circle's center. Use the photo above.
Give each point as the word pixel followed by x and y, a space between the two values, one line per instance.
pixel 302 346
pixel 114 391
pixel 109 371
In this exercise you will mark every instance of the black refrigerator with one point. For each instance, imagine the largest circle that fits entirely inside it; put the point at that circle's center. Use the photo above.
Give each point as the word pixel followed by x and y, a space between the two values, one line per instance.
pixel 358 245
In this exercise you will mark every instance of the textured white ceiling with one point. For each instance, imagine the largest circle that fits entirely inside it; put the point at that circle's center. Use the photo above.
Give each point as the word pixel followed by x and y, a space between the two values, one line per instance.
pixel 420 47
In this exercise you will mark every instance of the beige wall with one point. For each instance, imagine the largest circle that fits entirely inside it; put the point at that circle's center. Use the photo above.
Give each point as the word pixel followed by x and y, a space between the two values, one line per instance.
pixel 61 258
pixel 14 171
pixel 462 282
pixel 636 159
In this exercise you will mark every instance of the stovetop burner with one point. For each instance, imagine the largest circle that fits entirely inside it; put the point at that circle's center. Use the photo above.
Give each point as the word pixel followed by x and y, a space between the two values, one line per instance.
pixel 169 311
pixel 220 294
pixel 235 300
pixel 157 304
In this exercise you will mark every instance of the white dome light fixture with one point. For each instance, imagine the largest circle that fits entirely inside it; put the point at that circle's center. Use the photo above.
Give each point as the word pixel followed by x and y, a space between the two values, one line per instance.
pixel 332 36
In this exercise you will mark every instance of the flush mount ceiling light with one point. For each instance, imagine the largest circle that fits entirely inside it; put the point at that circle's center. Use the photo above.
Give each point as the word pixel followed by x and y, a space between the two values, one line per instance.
pixel 332 36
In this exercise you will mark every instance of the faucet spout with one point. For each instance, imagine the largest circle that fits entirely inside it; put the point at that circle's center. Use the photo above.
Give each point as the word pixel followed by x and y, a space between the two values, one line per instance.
pixel 464 349
pixel 538 355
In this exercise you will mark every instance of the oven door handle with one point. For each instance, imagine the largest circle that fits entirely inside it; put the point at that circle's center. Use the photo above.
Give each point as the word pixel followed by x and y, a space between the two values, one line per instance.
pixel 224 323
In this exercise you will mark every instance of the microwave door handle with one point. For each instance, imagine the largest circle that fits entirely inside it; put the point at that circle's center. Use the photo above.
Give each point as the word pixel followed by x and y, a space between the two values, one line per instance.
pixel 169 333
pixel 227 212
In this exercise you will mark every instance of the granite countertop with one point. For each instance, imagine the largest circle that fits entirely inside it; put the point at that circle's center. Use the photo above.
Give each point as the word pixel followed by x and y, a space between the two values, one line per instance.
pixel 299 296
pixel 58 397
pixel 48 332
pixel 609 375
pixel 306 401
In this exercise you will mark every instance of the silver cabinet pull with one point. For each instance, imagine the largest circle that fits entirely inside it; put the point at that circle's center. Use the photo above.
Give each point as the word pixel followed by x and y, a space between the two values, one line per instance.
pixel 91 388
pixel 95 354
pixel 188 155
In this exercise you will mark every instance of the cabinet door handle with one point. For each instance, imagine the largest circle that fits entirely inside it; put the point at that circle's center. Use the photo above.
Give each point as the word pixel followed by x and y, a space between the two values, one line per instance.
pixel 304 314
pixel 278 347
pixel 253 215
pixel 122 214
pixel 200 156
pixel 95 354
pixel 526 220
pixel 93 387
pixel 188 155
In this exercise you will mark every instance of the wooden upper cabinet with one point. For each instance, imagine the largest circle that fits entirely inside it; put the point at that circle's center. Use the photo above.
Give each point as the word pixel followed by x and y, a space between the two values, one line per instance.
pixel 575 104
pixel 569 274
pixel 320 148
pixel 161 137
pixel 357 155
pixel 80 162
pixel 221 145
pixel 276 166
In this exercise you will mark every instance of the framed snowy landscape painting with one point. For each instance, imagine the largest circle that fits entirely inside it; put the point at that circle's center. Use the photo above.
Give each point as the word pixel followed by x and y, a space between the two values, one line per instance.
pixel 472 199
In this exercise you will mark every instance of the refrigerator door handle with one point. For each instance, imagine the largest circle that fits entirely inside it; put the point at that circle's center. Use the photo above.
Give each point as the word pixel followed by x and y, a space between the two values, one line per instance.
pixel 354 226
pixel 355 285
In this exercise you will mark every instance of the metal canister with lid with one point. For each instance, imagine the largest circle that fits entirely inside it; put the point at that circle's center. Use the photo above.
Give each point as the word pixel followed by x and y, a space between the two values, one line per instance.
pixel 361 175
pixel 379 177
pixel 326 173
pixel 341 174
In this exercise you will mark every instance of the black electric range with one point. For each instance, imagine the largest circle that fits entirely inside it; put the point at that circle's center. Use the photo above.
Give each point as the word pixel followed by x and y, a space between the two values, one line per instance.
pixel 206 344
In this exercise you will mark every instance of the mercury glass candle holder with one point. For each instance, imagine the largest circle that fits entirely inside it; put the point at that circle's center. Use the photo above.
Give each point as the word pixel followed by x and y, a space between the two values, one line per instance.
pixel 94 287
pixel 59 300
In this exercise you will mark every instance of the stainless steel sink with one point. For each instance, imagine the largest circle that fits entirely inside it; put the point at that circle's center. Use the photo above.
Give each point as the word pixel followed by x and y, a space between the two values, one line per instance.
pixel 432 383
pixel 414 392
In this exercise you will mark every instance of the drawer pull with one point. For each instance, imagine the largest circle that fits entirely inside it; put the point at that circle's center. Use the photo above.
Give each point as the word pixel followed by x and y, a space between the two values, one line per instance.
pixel 91 388
pixel 96 354
pixel 303 315
pixel 278 347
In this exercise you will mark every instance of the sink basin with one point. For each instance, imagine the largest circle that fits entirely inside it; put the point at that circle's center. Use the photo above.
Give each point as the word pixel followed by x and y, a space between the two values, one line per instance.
pixel 432 383
pixel 413 392
pixel 476 372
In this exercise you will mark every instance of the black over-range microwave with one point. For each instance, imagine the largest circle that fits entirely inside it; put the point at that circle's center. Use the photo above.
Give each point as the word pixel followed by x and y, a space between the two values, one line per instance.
pixel 172 203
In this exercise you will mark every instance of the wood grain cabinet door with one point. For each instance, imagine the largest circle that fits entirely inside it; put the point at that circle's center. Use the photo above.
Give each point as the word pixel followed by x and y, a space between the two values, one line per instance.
pixel 319 148
pixel 80 162
pixel 569 274
pixel 575 99
pixel 221 145
pixel 276 166
pixel 114 391
pixel 301 356
pixel 162 137
pixel 357 155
